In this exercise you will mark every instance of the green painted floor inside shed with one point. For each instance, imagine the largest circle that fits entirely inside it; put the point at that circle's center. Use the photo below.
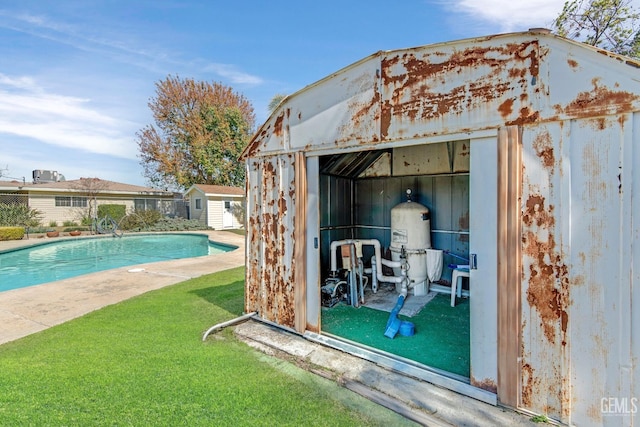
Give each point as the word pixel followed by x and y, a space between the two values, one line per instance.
pixel 441 338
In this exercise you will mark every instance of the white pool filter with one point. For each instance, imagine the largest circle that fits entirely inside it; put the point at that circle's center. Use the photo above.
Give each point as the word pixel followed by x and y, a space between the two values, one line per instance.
pixel 411 238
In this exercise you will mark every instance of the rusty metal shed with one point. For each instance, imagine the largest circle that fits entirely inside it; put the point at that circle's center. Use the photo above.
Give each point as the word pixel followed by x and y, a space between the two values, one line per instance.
pixel 539 135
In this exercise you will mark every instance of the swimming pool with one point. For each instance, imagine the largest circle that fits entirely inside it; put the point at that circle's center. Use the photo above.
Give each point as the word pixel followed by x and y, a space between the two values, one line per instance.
pixel 63 259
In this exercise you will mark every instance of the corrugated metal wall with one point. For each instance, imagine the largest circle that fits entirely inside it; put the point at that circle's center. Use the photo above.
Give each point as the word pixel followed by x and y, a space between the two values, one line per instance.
pixel 580 345
pixel 336 213
pixel 271 238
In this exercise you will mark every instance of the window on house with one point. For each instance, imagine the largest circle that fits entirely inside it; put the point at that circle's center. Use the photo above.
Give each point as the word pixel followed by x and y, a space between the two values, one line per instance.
pixel 63 201
pixel 145 204
pixel 79 202
pixel 76 202
pixel 198 203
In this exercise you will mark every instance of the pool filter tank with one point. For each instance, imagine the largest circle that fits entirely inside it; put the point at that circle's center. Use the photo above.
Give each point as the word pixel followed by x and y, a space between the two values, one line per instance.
pixel 410 238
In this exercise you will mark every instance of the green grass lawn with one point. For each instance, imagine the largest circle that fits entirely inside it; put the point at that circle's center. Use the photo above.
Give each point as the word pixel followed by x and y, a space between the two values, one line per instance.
pixel 142 362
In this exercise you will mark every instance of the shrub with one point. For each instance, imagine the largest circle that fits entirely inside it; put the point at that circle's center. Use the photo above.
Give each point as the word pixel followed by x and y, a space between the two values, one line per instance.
pixel 37 229
pixel 69 224
pixel 18 215
pixel 176 224
pixel 117 212
pixel 11 233
pixel 140 220
pixel 53 223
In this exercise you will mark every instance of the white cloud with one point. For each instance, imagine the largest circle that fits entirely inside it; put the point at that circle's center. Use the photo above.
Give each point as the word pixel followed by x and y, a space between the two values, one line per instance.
pixel 27 110
pixel 234 75
pixel 510 15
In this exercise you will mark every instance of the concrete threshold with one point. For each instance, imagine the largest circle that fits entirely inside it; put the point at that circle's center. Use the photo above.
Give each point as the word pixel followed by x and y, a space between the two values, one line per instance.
pixel 415 399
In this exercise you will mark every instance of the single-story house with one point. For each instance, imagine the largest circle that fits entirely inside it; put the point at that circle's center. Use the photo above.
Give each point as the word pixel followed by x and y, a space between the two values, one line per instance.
pixel 71 200
pixel 216 206
pixel 523 147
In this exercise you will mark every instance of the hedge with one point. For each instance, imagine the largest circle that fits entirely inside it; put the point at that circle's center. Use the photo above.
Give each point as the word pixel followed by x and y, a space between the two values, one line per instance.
pixel 117 212
pixel 11 233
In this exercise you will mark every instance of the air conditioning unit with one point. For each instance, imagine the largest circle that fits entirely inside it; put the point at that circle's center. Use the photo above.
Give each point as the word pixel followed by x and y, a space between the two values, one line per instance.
pixel 40 176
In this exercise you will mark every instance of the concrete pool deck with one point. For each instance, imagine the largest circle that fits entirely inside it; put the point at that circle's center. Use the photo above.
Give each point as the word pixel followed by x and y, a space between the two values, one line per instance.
pixel 32 309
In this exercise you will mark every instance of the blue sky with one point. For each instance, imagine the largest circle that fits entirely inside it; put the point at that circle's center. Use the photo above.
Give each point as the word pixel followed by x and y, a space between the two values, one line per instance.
pixel 76 76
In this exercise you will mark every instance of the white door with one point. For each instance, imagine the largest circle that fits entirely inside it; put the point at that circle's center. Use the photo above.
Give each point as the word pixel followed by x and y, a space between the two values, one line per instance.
pixel 483 206
pixel 227 215
pixel 312 244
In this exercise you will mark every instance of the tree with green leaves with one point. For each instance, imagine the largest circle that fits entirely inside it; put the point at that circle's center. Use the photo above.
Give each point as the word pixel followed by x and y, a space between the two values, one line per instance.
pixel 275 101
pixel 609 24
pixel 200 131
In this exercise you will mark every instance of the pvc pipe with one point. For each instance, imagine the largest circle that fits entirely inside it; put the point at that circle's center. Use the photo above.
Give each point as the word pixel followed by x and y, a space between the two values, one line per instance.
pixel 381 277
pixel 361 277
pixel 352 273
pixel 231 322
pixel 374 278
pixel 369 242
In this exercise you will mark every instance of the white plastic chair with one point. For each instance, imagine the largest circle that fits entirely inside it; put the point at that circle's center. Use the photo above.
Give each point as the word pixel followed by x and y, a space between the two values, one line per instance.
pixel 458 273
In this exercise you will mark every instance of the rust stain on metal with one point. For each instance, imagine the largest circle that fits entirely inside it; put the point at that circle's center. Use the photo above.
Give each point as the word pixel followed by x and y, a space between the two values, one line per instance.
pixel 600 123
pixel 506 108
pixel 536 213
pixel 548 290
pixel 528 383
pixel 269 285
pixel 385 119
pixel 594 412
pixel 253 148
pixel 363 112
pixel 277 126
pixel 600 98
pixel 517 73
pixel 463 221
pixel 572 63
pixel 467 58
pixel 544 149
pixel 565 396
pixel 413 95
pixel 465 150
pixel 622 119
pixel 526 116
pixel 485 384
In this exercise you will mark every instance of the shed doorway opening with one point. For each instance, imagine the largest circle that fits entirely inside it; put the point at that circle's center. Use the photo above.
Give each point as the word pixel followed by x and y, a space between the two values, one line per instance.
pixel 361 195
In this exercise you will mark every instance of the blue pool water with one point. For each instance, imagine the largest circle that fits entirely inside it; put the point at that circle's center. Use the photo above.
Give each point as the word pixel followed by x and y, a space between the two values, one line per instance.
pixel 69 258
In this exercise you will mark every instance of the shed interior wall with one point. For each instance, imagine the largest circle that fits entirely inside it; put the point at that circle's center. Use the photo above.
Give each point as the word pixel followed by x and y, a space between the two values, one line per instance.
pixel 360 207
